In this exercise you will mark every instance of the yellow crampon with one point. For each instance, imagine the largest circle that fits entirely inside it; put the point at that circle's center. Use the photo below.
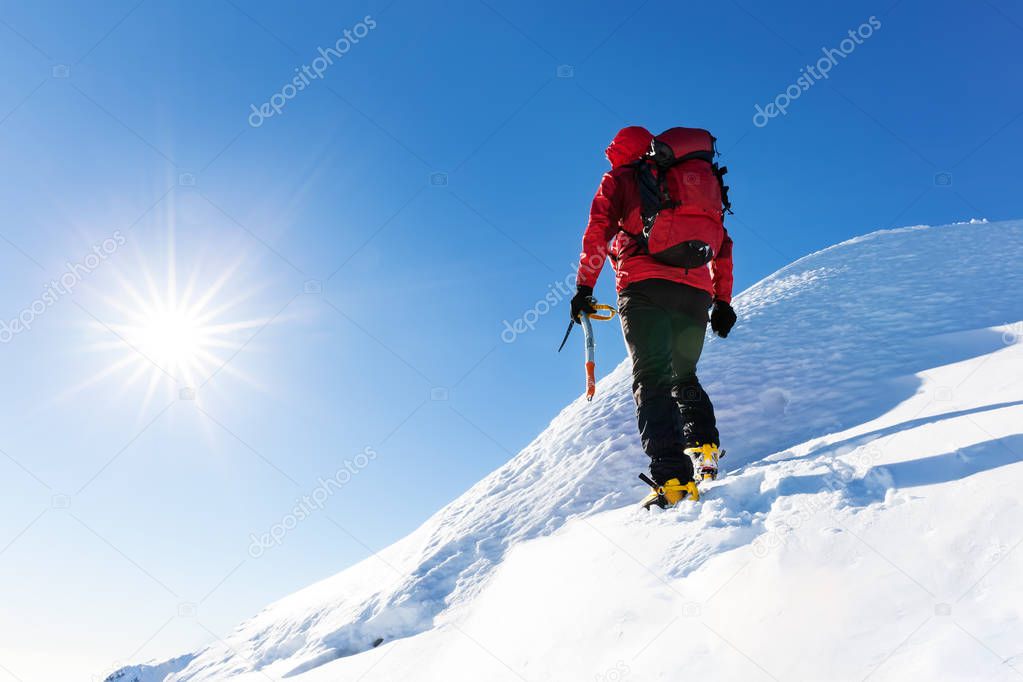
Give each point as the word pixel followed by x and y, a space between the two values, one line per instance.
pixel 671 493
pixel 705 460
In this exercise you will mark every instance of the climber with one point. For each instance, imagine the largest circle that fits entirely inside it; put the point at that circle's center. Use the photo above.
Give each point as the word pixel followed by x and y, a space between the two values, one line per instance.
pixel 658 214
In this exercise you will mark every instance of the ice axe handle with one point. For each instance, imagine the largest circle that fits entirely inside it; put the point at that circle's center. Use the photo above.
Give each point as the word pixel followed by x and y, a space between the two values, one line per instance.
pixel 601 312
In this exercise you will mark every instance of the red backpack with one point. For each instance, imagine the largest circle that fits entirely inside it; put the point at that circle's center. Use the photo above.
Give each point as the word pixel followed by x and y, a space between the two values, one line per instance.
pixel 684 198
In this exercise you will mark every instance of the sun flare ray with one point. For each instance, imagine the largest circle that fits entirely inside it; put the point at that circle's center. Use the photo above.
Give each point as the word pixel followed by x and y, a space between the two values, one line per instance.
pixel 173 329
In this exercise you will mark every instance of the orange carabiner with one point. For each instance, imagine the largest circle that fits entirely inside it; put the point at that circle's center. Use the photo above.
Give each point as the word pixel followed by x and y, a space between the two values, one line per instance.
pixel 604 312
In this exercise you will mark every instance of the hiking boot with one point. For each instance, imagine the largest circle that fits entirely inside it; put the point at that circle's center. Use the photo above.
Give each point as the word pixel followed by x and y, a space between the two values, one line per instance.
pixel 705 460
pixel 670 493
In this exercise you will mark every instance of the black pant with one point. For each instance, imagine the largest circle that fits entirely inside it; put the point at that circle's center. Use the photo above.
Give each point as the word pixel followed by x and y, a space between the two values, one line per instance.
pixel 664 324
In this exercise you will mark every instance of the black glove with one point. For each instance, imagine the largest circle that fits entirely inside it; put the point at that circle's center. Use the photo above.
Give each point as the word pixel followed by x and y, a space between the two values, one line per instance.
pixel 582 302
pixel 722 318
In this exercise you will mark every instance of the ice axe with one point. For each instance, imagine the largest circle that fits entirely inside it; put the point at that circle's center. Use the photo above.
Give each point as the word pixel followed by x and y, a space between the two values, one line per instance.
pixel 602 312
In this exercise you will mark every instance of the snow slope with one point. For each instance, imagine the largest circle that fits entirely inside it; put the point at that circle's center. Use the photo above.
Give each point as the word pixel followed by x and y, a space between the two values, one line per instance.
pixel 871 398
pixel 152 672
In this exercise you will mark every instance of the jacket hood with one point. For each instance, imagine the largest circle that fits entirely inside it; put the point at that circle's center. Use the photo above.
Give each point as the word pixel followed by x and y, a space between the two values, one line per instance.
pixel 628 145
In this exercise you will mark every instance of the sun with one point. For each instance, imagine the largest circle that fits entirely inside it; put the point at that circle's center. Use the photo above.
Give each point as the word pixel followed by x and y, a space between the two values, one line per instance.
pixel 174 338
pixel 163 334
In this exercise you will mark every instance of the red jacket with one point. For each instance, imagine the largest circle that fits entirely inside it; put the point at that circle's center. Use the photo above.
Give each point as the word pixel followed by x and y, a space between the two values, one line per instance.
pixel 616 209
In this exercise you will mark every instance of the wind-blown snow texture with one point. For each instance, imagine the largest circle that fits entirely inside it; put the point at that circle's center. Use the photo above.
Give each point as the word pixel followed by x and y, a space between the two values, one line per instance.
pixel 871 400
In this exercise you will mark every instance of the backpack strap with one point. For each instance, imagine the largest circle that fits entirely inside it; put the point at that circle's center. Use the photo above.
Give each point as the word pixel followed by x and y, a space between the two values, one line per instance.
pixel 720 171
pixel 652 192
pixel 653 198
pixel 702 155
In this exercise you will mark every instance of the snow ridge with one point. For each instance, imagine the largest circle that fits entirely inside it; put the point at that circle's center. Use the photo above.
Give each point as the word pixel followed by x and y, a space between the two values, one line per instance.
pixel 151 672
pixel 830 344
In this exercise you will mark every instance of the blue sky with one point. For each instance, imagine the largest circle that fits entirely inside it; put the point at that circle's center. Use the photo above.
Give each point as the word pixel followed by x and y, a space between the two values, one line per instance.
pixel 360 251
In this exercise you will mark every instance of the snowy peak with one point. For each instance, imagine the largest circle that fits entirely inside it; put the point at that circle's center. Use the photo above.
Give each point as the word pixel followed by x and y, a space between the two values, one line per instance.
pixel 835 356
pixel 151 672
